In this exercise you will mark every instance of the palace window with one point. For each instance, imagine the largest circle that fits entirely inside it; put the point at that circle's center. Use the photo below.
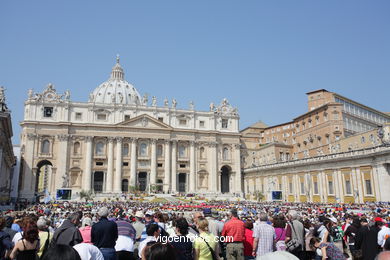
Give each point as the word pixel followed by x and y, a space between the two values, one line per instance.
pixel 76 148
pixel 225 123
pixel 45 148
pixel 101 117
pixel 99 148
pixel 125 150
pixel 225 154
pixel 127 117
pixel 48 111
pixel 182 151
pixel 201 123
pixel 348 188
pixel 201 151
pixel 161 119
pixel 330 187
pixel 159 150
pixel 315 187
pixel 302 188
pixel 368 187
pixel 290 187
pixel 79 116
pixel 182 122
pixel 159 165
pixel 143 149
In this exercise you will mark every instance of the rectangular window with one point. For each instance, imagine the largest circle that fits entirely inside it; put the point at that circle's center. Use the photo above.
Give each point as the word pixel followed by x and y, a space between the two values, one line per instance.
pixel 225 123
pixel 330 187
pixel 48 112
pixel 125 164
pixel 182 122
pixel 201 123
pixel 79 116
pixel 368 187
pixel 316 187
pixel 161 119
pixel 348 189
pixel 182 165
pixel 302 188
pixel 127 117
pixel 99 163
pixel 101 116
pixel 159 165
pixel 290 187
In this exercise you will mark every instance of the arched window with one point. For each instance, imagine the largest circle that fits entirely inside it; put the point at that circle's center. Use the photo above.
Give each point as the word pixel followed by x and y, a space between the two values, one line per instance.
pixel 225 154
pixel 99 148
pixel 202 154
pixel 143 150
pixel 45 146
pixel 159 150
pixel 182 151
pixel 76 148
pixel 125 150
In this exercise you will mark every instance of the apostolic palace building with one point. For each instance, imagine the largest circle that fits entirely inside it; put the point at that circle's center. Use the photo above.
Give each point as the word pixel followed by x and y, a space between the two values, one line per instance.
pixel 118 141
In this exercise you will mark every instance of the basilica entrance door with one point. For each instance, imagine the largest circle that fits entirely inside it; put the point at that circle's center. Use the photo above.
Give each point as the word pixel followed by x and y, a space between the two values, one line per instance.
pixel 182 182
pixel 142 179
pixel 98 182
pixel 225 179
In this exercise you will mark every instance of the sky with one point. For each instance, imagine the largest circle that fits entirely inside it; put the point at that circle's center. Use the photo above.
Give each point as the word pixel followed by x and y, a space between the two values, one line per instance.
pixel 263 56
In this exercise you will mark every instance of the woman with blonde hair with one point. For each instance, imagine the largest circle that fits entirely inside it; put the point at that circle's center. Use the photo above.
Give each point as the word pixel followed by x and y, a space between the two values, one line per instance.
pixel 206 244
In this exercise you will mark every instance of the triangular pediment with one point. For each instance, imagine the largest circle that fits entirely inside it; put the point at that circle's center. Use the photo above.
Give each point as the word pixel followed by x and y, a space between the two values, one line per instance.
pixel 144 121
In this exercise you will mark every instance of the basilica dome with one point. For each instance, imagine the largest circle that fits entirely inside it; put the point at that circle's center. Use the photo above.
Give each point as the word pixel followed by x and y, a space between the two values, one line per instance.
pixel 116 90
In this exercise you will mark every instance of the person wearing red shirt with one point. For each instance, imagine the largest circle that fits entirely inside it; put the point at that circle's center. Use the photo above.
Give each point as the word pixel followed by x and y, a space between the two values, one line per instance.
pixel 234 233
pixel 248 240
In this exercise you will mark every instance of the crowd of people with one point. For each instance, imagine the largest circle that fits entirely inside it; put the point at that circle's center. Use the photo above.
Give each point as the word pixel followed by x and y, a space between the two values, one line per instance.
pixel 201 231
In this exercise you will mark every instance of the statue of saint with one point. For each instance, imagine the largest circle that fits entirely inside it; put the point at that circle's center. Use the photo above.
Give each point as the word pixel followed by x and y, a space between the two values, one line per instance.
pixel 91 97
pixel 145 100
pixel 154 101
pixel 174 103
pixel 192 106
pixel 212 107
pixel 2 96
pixel 67 95
pixel 166 102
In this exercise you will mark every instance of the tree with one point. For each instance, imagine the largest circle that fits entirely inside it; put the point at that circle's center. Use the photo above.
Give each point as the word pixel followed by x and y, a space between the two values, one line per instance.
pixel 259 196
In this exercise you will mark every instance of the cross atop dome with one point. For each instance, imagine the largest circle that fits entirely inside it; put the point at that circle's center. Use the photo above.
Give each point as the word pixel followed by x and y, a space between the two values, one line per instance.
pixel 117 71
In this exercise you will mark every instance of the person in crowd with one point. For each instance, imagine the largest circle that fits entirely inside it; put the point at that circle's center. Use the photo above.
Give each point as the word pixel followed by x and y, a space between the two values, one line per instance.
pixel 160 251
pixel 124 246
pixel 8 224
pixel 88 251
pixel 27 248
pixel 309 231
pixel 279 224
pixel 234 229
pixel 5 240
pixel 45 236
pixel 85 230
pixel 295 231
pixel 153 232
pixel 68 233
pixel 350 234
pixel 328 250
pixel 193 229
pixel 248 240
pixel 61 252
pixel 104 235
pixel 386 247
pixel 205 245
pixel 148 220
pixel 181 242
pixel 384 233
pixel 264 236
pixel 383 256
pixel 17 225
pixel 367 240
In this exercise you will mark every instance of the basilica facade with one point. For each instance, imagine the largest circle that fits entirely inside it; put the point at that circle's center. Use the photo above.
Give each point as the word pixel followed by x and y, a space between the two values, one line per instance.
pixel 119 141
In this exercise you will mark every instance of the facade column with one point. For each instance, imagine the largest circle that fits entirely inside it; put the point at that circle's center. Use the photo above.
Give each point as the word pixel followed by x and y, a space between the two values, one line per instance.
pixel 63 176
pixel 87 174
pixel 174 167
pixel 167 167
pixel 359 183
pixel 133 162
pixel 340 181
pixel 237 166
pixel 110 164
pixel 381 172
pixel 336 187
pixel 192 179
pixel 28 183
pixel 118 166
pixel 213 163
pixel 153 163
pixel 324 185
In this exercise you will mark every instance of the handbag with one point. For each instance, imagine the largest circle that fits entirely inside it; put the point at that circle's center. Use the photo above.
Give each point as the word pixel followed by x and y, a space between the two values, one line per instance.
pixel 294 243
pixel 213 254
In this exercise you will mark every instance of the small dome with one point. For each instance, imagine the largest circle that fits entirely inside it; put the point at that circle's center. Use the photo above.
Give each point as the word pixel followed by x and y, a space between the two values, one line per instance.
pixel 116 90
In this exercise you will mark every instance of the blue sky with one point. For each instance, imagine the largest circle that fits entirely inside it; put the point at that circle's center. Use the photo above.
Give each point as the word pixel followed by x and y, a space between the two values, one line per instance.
pixel 261 55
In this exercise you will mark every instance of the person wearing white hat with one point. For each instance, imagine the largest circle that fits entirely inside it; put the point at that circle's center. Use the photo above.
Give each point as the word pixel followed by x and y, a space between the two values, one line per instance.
pixel 139 226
